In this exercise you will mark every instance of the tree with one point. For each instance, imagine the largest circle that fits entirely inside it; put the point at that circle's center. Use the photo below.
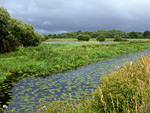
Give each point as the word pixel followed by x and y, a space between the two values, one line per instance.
pixel 4 22
pixel 133 35
pixel 79 32
pixel 83 37
pixel 8 42
pixel 101 37
pixel 17 29
pixel 50 35
pixel 54 36
pixel 146 34
pixel 29 37
pixel 118 38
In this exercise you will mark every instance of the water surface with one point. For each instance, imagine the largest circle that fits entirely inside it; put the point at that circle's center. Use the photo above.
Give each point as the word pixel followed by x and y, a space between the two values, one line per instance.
pixel 30 92
pixel 77 41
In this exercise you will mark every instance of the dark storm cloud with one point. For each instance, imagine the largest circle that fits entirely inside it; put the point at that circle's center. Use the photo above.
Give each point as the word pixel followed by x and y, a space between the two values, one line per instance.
pixel 56 16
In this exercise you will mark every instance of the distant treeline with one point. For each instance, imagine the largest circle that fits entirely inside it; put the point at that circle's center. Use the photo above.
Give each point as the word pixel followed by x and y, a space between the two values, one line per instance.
pixel 107 33
pixel 14 33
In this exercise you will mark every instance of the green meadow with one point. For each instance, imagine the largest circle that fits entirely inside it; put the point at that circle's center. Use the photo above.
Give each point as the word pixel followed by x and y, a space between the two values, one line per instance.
pixel 51 58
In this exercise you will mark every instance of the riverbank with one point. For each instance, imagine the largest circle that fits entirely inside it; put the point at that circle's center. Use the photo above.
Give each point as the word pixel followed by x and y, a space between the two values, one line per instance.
pixel 126 89
pixel 48 58
pixel 29 92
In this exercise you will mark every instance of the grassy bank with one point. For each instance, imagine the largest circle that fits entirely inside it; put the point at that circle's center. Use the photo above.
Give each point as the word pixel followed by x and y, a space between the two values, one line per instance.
pixel 53 58
pixel 125 90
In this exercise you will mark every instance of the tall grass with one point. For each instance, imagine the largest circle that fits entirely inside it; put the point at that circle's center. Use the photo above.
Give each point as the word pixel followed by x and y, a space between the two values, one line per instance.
pixel 126 90
pixel 53 58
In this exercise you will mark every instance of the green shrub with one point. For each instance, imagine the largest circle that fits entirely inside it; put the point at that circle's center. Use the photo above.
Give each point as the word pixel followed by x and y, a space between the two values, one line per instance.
pixel 83 37
pixel 8 44
pixel 118 38
pixel 101 37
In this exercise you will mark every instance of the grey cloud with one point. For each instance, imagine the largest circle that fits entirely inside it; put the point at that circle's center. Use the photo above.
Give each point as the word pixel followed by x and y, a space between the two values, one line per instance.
pixel 57 16
pixel 46 23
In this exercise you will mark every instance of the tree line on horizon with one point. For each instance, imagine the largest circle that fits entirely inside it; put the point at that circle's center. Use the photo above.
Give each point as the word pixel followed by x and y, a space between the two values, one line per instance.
pixel 107 33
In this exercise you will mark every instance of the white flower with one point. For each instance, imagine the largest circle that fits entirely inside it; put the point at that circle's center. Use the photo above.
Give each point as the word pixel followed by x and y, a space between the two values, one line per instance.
pixel 117 67
pixel 5 106
pixel 44 106
pixel 131 63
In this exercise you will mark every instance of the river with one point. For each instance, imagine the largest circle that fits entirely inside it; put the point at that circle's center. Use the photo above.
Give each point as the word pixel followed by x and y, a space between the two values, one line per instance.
pixel 28 93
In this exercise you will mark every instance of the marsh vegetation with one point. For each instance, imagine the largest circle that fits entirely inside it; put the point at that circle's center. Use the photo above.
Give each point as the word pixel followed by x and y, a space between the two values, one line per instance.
pixel 40 76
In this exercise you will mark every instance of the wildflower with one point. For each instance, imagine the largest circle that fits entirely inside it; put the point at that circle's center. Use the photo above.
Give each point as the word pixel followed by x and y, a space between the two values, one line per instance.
pixel 5 106
pixel 131 63
pixel 44 106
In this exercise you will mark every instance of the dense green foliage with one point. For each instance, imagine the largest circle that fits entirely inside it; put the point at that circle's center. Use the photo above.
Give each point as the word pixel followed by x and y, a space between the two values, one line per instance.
pixel 52 58
pixel 107 33
pixel 14 33
pixel 146 34
pixel 83 37
pixel 7 40
pixel 94 34
pixel 118 38
pixel 101 37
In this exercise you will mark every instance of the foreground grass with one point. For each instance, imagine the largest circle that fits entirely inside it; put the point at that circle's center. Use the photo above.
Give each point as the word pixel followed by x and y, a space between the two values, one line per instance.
pixel 125 90
pixel 53 58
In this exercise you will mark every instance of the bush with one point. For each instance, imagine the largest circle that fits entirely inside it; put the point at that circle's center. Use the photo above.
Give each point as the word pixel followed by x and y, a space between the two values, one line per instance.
pixel 117 38
pixel 83 37
pixel 8 44
pixel 101 37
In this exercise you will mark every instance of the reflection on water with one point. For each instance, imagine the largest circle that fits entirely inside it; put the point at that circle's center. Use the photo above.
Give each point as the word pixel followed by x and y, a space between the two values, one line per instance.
pixel 76 41
pixel 30 92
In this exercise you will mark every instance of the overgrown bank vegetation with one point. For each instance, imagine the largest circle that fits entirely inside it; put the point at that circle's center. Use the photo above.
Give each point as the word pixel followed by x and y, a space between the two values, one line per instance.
pixel 125 90
pixel 53 58
pixel 14 33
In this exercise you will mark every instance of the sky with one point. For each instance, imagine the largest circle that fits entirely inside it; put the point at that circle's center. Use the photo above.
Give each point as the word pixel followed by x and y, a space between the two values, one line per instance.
pixel 60 16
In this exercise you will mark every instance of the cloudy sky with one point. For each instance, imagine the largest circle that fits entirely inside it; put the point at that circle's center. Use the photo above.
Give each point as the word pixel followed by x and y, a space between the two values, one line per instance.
pixel 58 16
